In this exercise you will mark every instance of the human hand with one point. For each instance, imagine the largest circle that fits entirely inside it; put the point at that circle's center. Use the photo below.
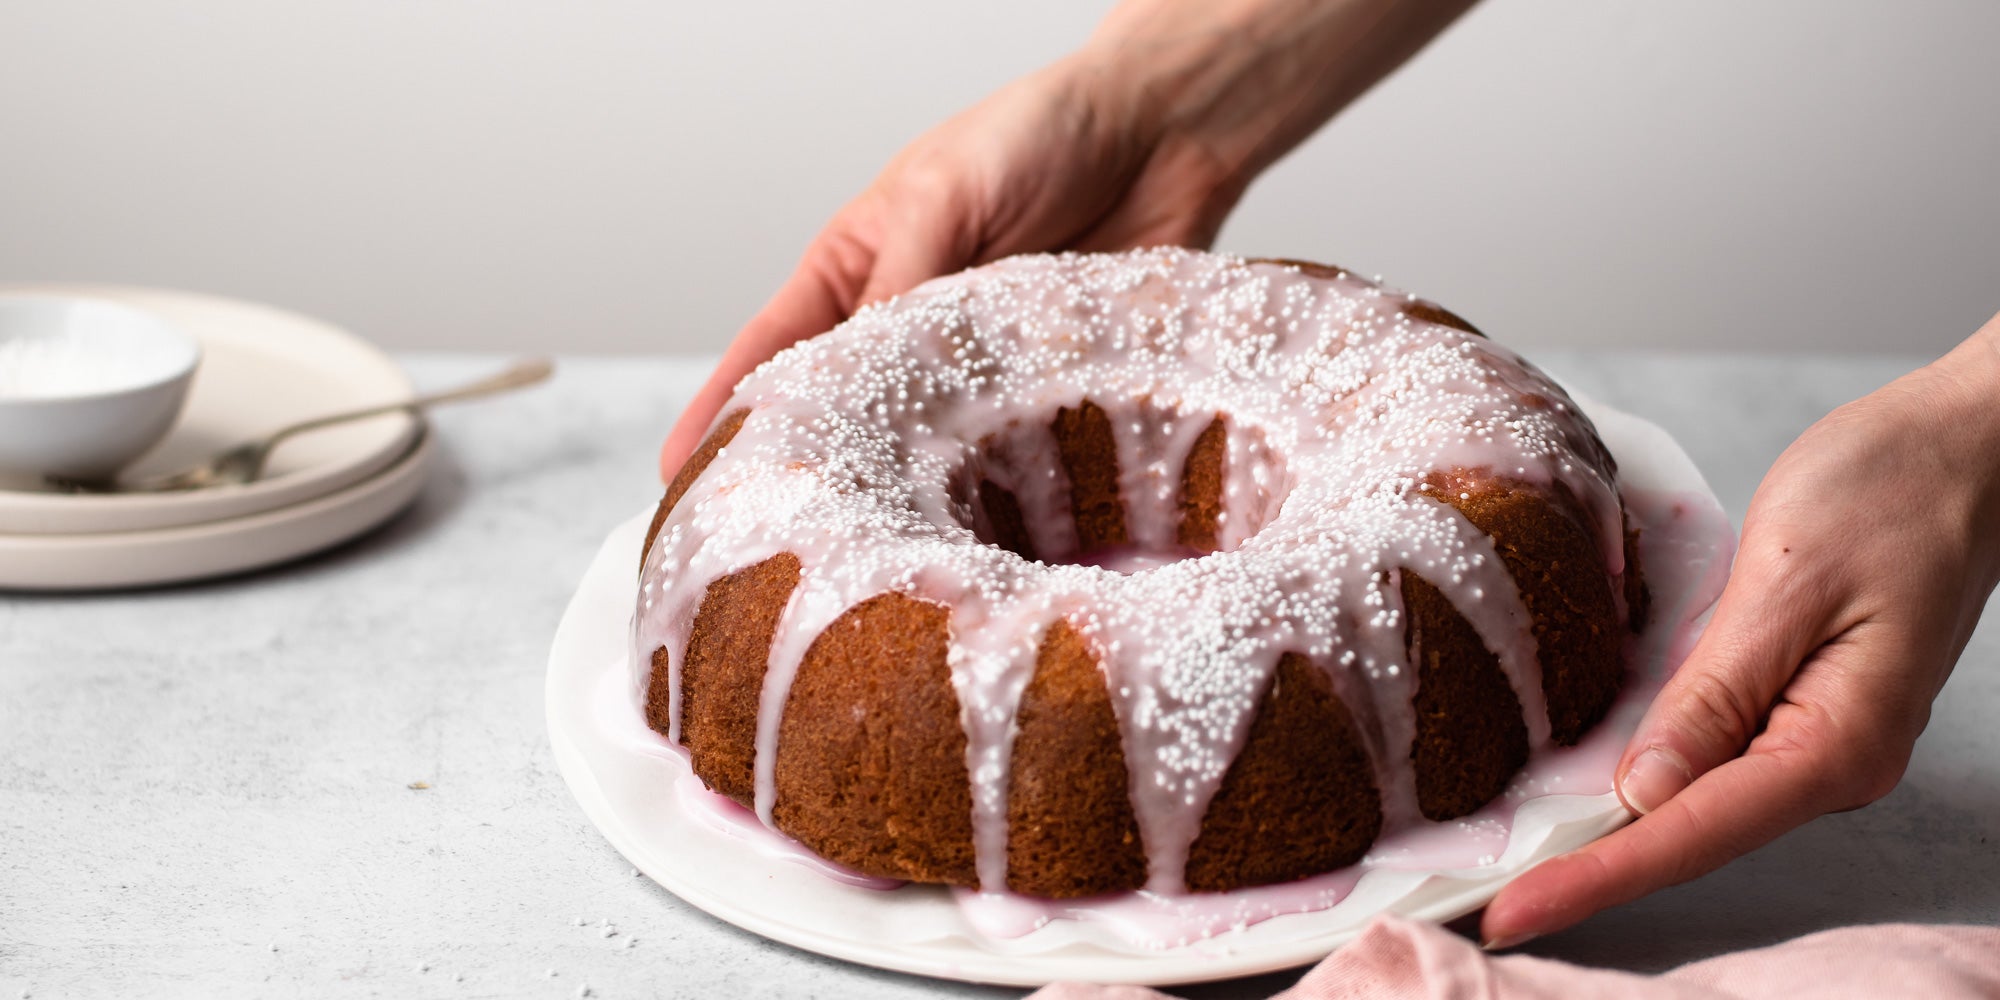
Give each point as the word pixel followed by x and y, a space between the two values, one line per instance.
pixel 1148 135
pixel 1867 554
pixel 1067 158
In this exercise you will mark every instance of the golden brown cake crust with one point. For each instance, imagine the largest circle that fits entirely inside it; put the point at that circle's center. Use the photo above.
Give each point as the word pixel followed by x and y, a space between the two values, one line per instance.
pixel 1201 488
pixel 697 463
pixel 1003 511
pixel 1090 457
pixel 1431 312
pixel 1544 537
pixel 1470 737
pixel 1300 798
pixel 722 680
pixel 1422 309
pixel 871 758
pixel 1070 829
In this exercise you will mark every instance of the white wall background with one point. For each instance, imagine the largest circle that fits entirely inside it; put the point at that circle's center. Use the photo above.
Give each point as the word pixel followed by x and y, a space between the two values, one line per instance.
pixel 624 175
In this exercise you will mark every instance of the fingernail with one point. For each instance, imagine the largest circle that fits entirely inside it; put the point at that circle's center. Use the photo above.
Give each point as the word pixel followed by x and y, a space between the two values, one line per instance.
pixel 1510 941
pixel 1657 775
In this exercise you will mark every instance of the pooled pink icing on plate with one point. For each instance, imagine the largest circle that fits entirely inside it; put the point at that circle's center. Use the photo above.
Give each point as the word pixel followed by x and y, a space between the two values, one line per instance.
pixel 860 447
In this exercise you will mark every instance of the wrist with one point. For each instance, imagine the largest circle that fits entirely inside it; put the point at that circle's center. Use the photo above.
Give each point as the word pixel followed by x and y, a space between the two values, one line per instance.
pixel 1968 379
pixel 1247 80
pixel 1964 384
pixel 1983 348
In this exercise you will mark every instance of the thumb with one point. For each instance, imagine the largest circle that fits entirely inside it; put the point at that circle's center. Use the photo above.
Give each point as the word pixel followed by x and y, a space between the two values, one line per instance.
pixel 1717 701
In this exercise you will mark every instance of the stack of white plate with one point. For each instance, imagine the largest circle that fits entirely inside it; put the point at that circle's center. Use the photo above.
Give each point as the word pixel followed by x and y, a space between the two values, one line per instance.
pixel 261 369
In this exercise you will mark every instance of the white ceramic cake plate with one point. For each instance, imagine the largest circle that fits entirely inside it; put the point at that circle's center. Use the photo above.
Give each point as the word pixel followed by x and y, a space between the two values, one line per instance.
pixel 641 795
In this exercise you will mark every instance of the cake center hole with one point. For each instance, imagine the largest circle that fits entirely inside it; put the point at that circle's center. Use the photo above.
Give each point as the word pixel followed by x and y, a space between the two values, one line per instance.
pixel 1128 486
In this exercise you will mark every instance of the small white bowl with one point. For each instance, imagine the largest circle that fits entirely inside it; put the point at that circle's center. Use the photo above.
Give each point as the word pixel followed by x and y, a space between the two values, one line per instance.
pixel 86 385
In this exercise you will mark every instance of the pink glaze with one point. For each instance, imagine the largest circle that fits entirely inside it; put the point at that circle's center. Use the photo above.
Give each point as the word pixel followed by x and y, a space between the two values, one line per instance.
pixel 863 448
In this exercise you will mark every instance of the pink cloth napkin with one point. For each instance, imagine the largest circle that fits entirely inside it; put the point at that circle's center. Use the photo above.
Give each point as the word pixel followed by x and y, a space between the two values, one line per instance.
pixel 1395 959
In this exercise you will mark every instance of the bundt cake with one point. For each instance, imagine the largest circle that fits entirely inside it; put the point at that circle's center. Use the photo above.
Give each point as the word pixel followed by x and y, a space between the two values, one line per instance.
pixel 1078 574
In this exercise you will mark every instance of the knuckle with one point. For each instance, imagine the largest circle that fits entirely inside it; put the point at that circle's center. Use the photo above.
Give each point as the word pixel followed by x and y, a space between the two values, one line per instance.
pixel 840 260
pixel 1880 779
pixel 1867 767
pixel 1845 758
pixel 928 181
pixel 1716 713
pixel 1872 771
pixel 1861 780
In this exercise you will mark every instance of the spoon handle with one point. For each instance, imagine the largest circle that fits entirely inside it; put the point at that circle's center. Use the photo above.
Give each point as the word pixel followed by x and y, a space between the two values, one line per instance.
pixel 522 373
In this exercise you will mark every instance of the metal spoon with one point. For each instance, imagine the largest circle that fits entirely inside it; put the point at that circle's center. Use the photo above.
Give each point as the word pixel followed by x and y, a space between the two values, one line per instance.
pixel 245 462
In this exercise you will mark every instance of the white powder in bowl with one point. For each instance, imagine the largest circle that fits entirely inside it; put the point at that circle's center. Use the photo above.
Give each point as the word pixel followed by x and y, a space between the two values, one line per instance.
pixel 62 365
pixel 51 350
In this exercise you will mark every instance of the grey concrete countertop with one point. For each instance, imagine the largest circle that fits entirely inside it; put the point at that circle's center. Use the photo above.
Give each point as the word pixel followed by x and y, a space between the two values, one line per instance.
pixel 213 790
